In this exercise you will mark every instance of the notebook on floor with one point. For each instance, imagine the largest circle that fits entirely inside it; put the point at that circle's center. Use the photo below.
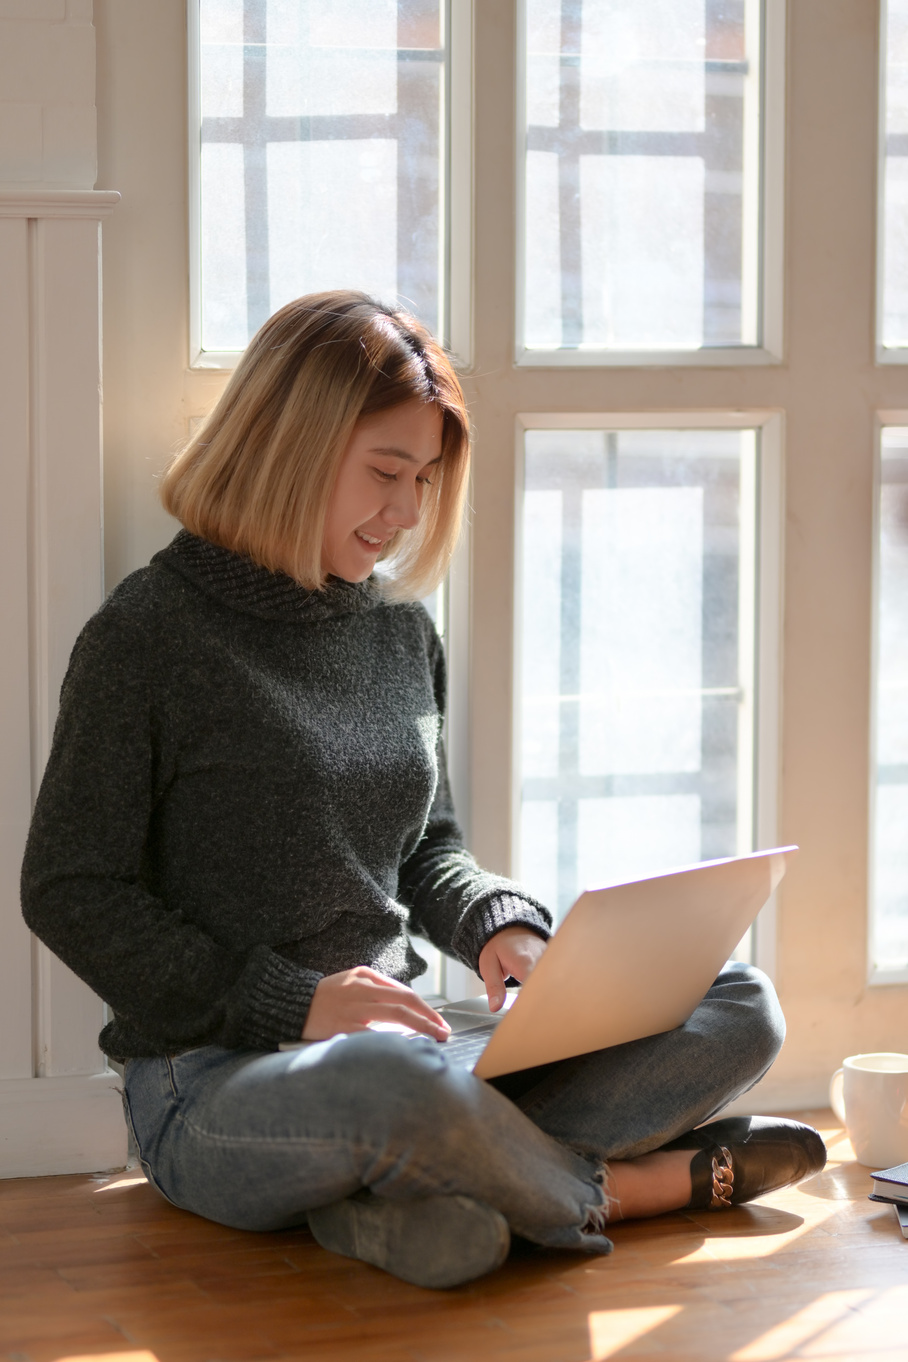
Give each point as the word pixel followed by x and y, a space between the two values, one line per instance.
pixel 629 960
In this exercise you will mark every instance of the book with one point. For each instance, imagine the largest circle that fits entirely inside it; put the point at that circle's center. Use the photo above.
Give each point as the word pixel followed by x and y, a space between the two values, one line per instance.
pixel 902 1213
pixel 891 1184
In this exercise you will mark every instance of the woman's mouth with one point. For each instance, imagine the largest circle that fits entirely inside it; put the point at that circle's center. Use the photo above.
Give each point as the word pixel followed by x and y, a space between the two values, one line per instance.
pixel 368 539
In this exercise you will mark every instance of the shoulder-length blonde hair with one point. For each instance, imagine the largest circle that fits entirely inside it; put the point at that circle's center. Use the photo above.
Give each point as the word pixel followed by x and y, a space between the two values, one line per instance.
pixel 258 476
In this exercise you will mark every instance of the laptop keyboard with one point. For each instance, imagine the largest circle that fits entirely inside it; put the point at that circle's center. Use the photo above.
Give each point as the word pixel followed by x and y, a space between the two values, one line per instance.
pixel 463 1048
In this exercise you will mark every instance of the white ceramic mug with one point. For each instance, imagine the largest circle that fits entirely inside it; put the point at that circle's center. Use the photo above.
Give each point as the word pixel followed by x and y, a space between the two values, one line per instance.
pixel 869 1095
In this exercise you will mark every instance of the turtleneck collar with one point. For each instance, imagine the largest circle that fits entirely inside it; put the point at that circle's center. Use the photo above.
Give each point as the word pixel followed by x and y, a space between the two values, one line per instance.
pixel 237 582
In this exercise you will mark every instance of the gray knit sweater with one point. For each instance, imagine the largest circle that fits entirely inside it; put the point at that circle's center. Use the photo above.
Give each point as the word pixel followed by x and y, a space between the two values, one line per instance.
pixel 246 792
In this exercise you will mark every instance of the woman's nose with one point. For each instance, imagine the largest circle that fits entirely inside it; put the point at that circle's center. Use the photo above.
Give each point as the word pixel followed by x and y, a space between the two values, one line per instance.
pixel 403 507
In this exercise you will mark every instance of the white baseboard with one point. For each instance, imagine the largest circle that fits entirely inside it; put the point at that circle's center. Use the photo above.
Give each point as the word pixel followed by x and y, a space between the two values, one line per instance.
pixel 61 1125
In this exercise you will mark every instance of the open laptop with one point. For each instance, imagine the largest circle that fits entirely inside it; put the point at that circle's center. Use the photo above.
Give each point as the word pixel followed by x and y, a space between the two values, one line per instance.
pixel 629 960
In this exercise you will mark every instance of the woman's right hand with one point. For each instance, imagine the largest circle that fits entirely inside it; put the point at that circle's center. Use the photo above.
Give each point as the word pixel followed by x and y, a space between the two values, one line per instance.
pixel 350 1000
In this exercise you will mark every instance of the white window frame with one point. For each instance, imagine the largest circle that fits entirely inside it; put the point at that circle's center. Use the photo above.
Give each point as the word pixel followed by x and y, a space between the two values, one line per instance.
pixel 875 975
pixel 885 354
pixel 447 978
pixel 456 205
pixel 771 228
pixel 765 704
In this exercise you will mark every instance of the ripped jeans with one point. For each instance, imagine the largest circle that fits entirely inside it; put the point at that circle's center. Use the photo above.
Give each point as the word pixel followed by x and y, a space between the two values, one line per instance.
pixel 254 1140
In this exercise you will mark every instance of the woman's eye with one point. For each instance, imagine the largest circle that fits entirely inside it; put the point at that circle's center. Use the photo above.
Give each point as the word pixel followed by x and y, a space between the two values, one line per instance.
pixel 384 476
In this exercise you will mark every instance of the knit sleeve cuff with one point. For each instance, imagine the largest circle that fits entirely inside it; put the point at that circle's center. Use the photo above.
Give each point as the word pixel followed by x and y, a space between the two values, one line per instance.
pixel 269 1003
pixel 482 920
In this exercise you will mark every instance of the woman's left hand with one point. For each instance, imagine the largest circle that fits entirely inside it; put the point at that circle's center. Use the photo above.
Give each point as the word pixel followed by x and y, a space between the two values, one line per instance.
pixel 512 952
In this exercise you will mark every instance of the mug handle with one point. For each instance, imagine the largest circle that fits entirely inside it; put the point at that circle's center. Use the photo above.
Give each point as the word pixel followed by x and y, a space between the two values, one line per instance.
pixel 836 1094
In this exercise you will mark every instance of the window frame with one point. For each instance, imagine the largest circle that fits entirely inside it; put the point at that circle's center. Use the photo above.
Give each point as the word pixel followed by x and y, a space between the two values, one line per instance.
pixel 884 354
pixel 876 976
pixel 770 349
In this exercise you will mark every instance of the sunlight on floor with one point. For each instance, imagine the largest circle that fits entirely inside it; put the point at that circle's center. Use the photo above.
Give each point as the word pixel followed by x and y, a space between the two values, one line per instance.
pixel 875 1328
pixel 805 1326
pixel 838 1146
pixel 115 1185
pixel 142 1356
pixel 614 1329
pixel 837 1325
pixel 737 1245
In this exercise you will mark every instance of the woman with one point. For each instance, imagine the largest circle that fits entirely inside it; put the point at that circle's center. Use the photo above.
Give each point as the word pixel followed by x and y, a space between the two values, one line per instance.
pixel 246 809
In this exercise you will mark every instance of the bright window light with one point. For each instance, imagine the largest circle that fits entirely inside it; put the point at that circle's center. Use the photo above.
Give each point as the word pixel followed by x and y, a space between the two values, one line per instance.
pixel 889 829
pixel 892 311
pixel 319 158
pixel 642 135
pixel 637 654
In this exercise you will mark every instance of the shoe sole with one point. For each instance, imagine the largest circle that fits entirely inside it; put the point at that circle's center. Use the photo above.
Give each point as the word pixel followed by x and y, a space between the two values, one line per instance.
pixel 436 1241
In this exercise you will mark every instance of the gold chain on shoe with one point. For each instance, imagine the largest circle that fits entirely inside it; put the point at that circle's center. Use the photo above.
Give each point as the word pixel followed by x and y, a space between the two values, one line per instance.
pixel 723 1179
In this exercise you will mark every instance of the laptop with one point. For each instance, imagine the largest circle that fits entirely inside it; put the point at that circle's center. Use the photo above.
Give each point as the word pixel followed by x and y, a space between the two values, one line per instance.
pixel 629 960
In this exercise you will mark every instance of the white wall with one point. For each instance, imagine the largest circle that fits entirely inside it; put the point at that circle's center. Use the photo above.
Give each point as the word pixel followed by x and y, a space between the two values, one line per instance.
pixel 59 1111
pixel 149 392
pixel 47 94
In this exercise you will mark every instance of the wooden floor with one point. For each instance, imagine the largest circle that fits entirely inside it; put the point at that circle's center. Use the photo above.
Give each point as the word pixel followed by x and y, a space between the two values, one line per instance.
pixel 101 1266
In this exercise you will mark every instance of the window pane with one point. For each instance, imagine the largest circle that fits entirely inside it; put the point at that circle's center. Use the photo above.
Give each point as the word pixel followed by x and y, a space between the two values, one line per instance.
pixel 894 320
pixel 324 230
pixel 333 113
pixel 641 635
pixel 637 622
pixel 331 57
pixel 641 251
pixel 642 139
pixel 890 825
pixel 224 245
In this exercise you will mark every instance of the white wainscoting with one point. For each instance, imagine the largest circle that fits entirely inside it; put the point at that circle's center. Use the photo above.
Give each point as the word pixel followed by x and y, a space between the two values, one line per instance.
pixel 59 1108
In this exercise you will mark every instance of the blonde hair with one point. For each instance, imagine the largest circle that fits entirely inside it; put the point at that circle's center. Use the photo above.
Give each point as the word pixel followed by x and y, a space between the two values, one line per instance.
pixel 257 477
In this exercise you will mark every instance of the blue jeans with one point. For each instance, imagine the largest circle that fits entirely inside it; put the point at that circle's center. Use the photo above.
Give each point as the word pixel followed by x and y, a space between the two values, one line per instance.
pixel 254 1140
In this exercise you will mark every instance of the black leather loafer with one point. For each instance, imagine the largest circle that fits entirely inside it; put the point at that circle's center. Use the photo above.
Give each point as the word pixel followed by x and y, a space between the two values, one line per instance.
pixel 744 1157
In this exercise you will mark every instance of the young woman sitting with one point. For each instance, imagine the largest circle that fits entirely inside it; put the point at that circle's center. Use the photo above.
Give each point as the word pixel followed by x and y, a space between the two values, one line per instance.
pixel 246 813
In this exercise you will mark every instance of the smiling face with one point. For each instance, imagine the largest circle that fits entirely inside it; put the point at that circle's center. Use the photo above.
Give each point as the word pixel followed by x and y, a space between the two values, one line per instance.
pixel 390 459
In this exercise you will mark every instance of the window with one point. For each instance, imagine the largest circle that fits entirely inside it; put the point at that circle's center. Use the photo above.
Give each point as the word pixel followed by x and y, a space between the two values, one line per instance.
pixel 892 254
pixel 637 621
pixel 644 131
pixel 319 159
pixel 889 824
pixel 638 636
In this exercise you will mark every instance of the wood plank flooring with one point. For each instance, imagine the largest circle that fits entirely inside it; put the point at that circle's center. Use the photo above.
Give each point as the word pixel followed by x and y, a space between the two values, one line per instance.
pixel 102 1267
